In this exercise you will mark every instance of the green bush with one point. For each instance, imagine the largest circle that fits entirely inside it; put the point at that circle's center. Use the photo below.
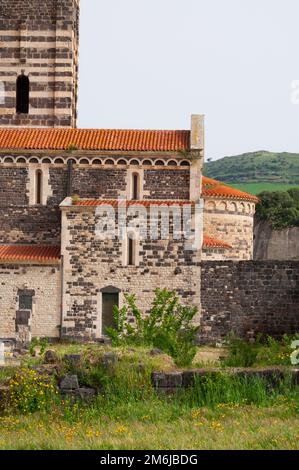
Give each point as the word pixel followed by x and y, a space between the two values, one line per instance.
pixel 241 353
pixel 41 343
pixel 168 326
pixel 263 352
pixel 276 352
pixel 29 392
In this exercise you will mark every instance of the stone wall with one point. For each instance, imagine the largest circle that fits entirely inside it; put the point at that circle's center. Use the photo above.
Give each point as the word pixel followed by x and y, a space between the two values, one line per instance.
pixel 232 223
pixel 216 254
pixel 275 244
pixel 249 296
pixel 92 264
pixel 44 282
pixel 96 183
pixel 161 184
pixel 22 221
pixel 40 40
pixel 30 225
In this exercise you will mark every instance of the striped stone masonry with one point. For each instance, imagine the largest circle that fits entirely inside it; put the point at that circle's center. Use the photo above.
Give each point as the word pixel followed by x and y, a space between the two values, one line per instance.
pixel 39 40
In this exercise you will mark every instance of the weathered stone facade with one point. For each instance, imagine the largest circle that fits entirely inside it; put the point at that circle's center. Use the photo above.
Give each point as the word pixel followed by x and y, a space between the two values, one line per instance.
pixel 45 172
pixel 24 221
pixel 39 40
pixel 232 222
pixel 270 243
pixel 44 285
pixel 249 297
pixel 33 185
pixel 92 265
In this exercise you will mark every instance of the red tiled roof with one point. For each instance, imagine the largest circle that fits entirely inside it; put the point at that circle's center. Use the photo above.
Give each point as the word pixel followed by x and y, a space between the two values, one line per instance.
pixel 214 188
pixel 209 242
pixel 94 139
pixel 29 253
pixel 125 203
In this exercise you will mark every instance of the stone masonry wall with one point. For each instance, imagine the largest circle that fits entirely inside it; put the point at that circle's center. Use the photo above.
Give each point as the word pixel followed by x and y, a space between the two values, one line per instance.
pixel 40 40
pixel 249 296
pixel 165 184
pixel 275 244
pixel 22 221
pixel 96 183
pixel 91 264
pixel 45 281
pixel 232 223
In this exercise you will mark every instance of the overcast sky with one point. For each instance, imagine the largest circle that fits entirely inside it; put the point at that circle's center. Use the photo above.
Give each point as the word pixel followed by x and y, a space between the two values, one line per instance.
pixel 152 63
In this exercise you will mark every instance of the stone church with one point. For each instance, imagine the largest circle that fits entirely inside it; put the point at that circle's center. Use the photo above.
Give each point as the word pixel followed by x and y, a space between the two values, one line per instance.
pixel 58 277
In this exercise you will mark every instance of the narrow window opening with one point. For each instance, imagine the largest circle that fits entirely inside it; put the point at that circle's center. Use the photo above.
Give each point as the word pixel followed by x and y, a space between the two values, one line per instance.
pixel 131 252
pixel 135 192
pixel 22 106
pixel 38 187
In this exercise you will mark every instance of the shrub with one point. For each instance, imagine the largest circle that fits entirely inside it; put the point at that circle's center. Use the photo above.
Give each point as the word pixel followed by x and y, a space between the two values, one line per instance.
pixel 168 326
pixel 41 343
pixel 241 353
pixel 264 351
pixel 29 392
pixel 275 352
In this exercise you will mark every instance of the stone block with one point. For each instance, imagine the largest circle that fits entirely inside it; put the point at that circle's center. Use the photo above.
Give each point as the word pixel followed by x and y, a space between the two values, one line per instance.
pixel 50 357
pixel 73 359
pixel 69 382
pixel 168 380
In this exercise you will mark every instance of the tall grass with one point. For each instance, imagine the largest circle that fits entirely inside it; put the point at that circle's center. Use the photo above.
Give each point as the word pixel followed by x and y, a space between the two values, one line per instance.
pixel 218 388
pixel 127 391
pixel 265 351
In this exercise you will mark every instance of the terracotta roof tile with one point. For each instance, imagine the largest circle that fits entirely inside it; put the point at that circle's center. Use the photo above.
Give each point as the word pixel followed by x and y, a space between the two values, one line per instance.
pixel 144 202
pixel 214 188
pixel 209 242
pixel 94 139
pixel 29 253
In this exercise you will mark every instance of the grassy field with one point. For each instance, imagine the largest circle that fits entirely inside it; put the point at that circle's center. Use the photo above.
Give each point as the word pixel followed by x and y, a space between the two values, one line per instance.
pixel 257 188
pixel 223 412
pixel 157 425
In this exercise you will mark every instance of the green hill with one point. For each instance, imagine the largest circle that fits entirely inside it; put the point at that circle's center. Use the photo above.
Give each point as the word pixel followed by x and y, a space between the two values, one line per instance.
pixel 257 171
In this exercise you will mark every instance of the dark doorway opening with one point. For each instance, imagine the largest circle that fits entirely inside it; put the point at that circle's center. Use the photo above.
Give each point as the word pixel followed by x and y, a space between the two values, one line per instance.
pixel 109 301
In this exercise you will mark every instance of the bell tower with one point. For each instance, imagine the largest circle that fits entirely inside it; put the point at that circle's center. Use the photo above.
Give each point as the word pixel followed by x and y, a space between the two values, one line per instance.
pixel 39 43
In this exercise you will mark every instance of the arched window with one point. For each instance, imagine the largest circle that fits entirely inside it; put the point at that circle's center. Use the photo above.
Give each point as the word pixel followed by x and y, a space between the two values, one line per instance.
pixel 135 187
pixel 38 187
pixel 22 95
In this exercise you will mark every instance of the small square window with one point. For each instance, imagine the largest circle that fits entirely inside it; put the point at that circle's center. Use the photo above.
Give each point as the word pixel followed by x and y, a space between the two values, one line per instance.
pixel 25 302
